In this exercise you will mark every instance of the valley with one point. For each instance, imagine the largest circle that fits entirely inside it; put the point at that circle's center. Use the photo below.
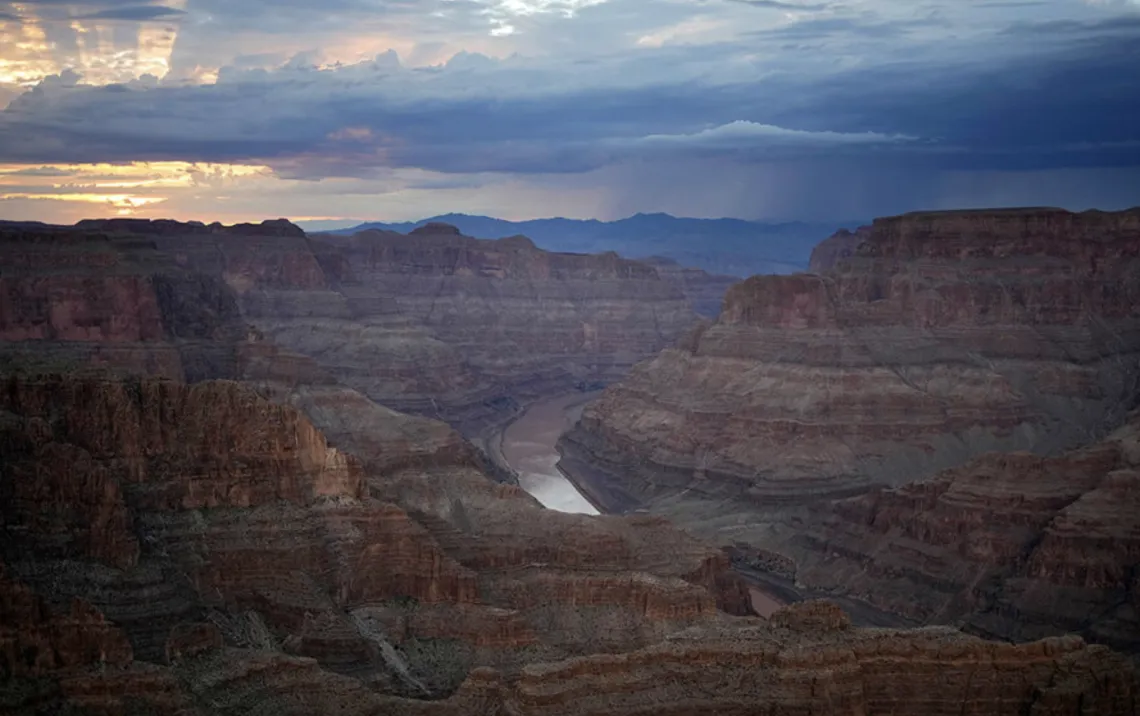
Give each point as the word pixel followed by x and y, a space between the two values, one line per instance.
pixel 250 469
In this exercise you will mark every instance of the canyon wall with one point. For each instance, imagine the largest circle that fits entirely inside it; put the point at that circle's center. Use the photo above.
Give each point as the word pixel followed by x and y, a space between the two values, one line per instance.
pixel 942 337
pixel 163 506
pixel 433 323
pixel 201 550
pixel 468 326
pixel 835 248
pixel 281 543
pixel 705 291
pixel 1009 545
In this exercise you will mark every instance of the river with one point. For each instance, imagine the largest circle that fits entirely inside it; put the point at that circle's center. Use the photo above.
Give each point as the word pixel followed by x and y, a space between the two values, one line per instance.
pixel 527 445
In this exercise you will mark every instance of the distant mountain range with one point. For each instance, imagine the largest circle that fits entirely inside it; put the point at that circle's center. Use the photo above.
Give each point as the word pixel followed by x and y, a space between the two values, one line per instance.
pixel 725 246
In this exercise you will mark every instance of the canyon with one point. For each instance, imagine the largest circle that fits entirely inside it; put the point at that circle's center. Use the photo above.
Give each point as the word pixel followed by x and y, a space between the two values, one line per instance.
pixel 811 426
pixel 191 549
pixel 250 470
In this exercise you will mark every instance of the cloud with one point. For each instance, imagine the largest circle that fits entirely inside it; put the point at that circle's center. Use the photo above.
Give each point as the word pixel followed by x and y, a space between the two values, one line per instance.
pixel 37 172
pixel 139 13
pixel 581 90
pixel 481 114
pixel 786 6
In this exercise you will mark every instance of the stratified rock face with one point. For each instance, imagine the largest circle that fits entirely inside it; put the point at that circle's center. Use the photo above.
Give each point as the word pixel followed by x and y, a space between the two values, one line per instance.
pixel 200 550
pixel 841 245
pixel 192 514
pixel 1018 546
pixel 944 336
pixel 71 299
pixel 807 660
pixel 467 325
pixel 704 290
pixel 433 322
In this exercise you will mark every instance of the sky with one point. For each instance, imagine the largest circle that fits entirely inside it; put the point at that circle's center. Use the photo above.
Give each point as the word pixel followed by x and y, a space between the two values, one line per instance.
pixel 238 110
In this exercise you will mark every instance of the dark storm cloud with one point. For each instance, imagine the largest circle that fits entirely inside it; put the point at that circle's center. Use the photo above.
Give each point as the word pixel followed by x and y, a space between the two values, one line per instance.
pixel 1124 25
pixel 1073 107
pixel 845 27
pixel 1077 108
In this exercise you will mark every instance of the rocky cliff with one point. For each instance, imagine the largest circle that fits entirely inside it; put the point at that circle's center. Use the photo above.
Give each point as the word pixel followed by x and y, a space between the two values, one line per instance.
pixel 944 336
pixel 837 247
pixel 469 326
pixel 163 506
pixel 432 322
pixel 199 550
pixel 704 290
pixel 1012 545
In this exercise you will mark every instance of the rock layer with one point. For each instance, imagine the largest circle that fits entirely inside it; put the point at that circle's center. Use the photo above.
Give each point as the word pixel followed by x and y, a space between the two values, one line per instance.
pixel 1016 546
pixel 839 246
pixel 704 290
pixel 199 549
pixel 168 508
pixel 470 326
pixel 432 322
pixel 944 336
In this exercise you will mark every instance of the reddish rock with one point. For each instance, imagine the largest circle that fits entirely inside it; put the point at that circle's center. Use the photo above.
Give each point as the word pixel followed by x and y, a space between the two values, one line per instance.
pixel 34 641
pixel 285 552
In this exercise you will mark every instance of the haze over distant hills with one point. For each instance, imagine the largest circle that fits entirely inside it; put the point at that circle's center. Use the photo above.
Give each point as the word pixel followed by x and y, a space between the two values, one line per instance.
pixel 724 246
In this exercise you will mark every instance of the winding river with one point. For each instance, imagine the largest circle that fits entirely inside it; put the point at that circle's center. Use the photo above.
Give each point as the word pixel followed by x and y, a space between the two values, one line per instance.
pixel 527 446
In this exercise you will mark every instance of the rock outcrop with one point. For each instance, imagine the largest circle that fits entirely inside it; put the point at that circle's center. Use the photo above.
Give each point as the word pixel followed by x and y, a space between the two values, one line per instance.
pixel 184 515
pixel 1015 546
pixel 945 336
pixel 841 245
pixel 468 326
pixel 433 323
pixel 290 546
pixel 73 299
pixel 705 291
pixel 807 659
